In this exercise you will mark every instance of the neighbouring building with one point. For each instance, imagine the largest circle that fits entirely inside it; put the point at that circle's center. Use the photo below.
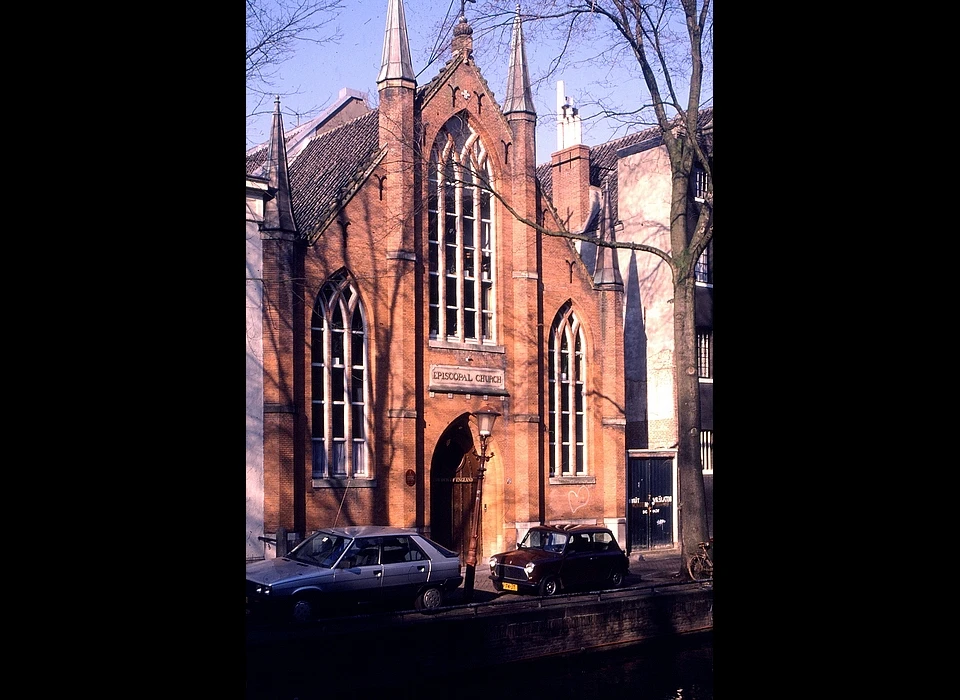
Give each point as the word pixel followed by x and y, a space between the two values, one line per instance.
pixel 631 178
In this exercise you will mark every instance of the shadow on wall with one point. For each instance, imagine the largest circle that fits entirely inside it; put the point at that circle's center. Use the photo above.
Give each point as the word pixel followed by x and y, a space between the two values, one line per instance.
pixel 635 359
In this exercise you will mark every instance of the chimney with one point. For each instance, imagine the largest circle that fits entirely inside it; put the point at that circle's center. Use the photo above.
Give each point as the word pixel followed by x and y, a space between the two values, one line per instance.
pixel 570 166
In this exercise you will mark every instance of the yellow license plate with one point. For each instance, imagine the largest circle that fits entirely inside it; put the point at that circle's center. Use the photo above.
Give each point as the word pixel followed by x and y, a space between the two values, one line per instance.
pixel 510 587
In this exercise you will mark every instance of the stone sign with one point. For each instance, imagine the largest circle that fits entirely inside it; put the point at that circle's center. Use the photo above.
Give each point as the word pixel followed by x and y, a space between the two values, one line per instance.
pixel 467 380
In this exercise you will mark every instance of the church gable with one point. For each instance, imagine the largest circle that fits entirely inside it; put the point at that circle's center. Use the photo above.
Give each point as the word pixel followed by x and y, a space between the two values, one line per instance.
pixel 465 94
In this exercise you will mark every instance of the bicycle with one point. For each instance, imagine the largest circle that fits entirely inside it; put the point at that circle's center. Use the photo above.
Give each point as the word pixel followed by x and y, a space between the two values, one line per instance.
pixel 700 566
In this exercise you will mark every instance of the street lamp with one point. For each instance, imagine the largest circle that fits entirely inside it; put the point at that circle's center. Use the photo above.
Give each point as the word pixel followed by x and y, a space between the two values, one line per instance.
pixel 486 416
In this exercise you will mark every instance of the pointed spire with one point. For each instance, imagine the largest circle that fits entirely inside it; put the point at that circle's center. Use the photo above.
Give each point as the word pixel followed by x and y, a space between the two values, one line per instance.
pixel 278 211
pixel 607 270
pixel 518 79
pixel 396 63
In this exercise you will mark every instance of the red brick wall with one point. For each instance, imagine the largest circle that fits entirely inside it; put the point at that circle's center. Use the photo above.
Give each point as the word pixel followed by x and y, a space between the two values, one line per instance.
pixel 535 279
pixel 571 185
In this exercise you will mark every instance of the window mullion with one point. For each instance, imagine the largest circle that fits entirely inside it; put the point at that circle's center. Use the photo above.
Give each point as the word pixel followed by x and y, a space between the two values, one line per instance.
pixel 347 388
pixel 328 390
pixel 557 404
pixel 461 336
pixel 571 410
pixel 476 272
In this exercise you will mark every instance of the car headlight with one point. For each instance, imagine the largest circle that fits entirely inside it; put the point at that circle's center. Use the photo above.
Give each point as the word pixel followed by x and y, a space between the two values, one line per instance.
pixel 528 569
pixel 493 562
pixel 262 590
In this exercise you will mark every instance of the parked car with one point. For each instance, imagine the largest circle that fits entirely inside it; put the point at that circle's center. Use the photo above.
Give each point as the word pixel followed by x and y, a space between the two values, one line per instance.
pixel 552 558
pixel 339 568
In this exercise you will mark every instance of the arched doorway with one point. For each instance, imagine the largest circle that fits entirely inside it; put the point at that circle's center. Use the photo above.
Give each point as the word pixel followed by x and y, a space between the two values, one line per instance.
pixel 453 472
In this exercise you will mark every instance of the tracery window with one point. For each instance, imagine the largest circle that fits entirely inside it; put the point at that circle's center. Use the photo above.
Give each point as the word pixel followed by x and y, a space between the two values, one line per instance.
pixel 340 381
pixel 462 264
pixel 567 395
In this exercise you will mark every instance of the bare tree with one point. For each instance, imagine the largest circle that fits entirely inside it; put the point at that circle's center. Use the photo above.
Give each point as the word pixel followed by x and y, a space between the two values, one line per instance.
pixel 670 43
pixel 274 28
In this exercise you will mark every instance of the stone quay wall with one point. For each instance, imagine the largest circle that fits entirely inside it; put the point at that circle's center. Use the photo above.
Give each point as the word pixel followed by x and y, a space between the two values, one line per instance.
pixel 474 636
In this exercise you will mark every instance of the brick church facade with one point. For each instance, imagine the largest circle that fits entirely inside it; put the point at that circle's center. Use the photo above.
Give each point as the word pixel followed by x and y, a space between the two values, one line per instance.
pixel 397 284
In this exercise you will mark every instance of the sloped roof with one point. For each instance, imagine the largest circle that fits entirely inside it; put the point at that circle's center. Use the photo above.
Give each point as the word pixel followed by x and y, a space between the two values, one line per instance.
pixel 255 159
pixel 328 171
pixel 297 136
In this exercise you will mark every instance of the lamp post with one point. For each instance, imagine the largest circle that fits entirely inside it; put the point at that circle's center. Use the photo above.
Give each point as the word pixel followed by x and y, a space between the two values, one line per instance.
pixel 486 416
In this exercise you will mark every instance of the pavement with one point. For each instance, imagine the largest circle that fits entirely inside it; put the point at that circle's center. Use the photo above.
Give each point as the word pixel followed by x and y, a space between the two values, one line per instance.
pixel 652 568
pixel 649 567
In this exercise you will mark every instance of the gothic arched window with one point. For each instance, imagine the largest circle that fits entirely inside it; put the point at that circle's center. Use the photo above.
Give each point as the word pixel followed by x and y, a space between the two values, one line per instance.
pixel 461 238
pixel 566 377
pixel 338 352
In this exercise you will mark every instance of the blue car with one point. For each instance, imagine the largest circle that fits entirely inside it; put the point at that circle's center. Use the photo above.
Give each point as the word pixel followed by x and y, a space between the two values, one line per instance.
pixel 336 570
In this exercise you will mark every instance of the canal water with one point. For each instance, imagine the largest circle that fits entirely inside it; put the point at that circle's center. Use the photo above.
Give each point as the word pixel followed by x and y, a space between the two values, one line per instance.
pixel 680 669
pixel 675 669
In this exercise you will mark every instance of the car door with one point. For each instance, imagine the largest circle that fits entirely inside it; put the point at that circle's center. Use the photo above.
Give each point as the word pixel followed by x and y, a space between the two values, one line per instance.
pixel 606 556
pixel 359 574
pixel 405 567
pixel 577 568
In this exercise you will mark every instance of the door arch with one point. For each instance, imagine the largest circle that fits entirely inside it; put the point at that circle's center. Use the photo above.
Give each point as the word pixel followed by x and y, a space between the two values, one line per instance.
pixel 453 471
pixel 453 495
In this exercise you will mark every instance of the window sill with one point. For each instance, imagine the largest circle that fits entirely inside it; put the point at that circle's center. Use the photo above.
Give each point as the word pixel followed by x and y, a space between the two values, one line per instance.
pixel 562 480
pixel 471 345
pixel 343 482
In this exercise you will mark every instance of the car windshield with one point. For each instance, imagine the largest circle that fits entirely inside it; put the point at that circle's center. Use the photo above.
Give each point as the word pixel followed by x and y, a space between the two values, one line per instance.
pixel 322 549
pixel 544 539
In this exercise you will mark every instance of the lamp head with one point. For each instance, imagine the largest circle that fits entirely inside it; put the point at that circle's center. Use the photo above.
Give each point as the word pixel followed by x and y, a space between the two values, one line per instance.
pixel 486 416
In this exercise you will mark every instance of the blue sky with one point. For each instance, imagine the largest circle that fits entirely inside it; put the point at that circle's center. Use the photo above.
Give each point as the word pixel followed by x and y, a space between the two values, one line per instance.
pixel 311 80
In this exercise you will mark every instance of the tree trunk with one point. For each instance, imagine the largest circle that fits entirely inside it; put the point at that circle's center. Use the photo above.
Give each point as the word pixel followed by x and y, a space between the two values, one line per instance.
pixel 693 520
pixel 693 514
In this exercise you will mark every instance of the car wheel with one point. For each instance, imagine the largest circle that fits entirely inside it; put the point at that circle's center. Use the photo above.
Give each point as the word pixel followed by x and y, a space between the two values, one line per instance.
pixel 430 599
pixel 549 586
pixel 616 580
pixel 303 611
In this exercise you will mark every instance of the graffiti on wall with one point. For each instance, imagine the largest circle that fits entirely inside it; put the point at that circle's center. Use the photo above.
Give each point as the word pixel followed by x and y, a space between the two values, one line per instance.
pixel 579 498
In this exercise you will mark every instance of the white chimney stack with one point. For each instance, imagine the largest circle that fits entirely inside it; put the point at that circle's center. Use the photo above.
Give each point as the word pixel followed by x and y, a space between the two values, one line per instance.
pixel 568 120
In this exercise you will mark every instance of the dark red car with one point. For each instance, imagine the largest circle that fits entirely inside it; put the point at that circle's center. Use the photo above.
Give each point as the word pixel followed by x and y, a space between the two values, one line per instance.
pixel 553 558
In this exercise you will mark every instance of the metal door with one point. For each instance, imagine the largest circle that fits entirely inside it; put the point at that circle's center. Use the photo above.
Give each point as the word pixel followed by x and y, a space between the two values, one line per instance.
pixel 650 502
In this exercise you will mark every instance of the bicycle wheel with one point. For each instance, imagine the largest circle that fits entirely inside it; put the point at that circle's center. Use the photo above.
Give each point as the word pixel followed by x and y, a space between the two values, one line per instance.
pixel 699 568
